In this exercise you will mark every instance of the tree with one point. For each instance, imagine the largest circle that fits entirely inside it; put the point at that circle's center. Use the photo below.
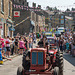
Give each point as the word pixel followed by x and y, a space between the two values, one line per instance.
pixel 55 9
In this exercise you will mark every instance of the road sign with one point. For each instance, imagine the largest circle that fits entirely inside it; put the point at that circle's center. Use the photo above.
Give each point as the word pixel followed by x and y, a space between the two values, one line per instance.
pixel 16 13
pixel 0 25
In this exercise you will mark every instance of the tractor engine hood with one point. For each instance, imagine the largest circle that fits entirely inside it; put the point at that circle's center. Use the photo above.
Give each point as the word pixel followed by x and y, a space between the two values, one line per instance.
pixel 51 52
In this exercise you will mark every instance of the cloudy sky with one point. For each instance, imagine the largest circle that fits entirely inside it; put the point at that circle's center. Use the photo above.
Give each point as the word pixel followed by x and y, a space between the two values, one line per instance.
pixel 61 4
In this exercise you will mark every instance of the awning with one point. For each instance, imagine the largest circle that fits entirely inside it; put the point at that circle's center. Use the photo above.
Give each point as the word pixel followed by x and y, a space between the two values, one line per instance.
pixel 32 22
pixel 69 18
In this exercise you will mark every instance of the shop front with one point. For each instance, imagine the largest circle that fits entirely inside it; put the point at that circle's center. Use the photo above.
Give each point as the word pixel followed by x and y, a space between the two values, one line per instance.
pixel 10 28
pixel 2 27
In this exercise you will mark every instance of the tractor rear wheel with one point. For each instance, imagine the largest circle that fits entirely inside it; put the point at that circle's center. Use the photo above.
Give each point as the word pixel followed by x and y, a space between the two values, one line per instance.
pixel 20 71
pixel 56 71
pixel 59 62
pixel 26 61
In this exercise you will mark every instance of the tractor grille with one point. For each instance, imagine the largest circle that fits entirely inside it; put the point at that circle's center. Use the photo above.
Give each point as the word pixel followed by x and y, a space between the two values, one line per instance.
pixel 34 58
pixel 40 58
pixel 37 58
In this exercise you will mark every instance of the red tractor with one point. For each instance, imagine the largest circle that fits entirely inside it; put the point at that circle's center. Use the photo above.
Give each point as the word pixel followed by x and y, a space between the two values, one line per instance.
pixel 42 61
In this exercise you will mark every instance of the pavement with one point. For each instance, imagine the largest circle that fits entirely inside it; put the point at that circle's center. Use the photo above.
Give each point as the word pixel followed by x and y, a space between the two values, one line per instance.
pixel 10 67
pixel 11 57
pixel 69 64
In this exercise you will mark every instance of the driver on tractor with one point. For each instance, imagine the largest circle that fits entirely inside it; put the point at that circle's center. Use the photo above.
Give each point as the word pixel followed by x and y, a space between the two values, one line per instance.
pixel 43 42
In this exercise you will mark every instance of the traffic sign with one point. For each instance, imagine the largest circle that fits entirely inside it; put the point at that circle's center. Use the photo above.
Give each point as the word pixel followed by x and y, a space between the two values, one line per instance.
pixel 16 13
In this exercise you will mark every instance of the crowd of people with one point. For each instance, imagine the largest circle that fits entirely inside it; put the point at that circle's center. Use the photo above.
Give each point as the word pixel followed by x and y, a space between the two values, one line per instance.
pixel 16 45
pixel 65 41
pixel 19 44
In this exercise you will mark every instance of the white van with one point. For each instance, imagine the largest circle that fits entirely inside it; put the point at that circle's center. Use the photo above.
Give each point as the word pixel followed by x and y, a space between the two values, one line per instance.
pixel 61 29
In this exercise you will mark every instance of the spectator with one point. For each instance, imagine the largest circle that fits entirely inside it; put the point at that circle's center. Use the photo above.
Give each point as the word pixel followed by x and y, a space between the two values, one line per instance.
pixel 2 41
pixel 21 46
pixel 16 46
pixel 67 46
pixel 1 60
pixel 26 42
pixel 8 46
pixel 30 42
pixel 12 46
pixel 64 45
pixel 61 44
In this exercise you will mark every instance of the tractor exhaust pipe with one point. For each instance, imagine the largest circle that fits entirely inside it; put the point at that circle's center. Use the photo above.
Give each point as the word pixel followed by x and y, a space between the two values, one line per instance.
pixel 47 50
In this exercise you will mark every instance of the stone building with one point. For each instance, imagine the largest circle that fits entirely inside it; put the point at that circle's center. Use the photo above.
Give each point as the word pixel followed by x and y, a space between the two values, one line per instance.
pixel 38 20
pixel 57 20
pixel 6 18
pixel 24 27
pixel 71 14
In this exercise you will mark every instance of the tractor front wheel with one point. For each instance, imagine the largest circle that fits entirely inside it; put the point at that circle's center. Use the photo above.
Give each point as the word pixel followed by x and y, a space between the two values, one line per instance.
pixel 56 71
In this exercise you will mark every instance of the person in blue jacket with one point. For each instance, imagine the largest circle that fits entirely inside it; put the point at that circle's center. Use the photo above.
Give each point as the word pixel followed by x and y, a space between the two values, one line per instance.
pixel 1 54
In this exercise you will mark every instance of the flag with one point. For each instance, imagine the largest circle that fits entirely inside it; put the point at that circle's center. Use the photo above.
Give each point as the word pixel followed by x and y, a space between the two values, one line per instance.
pixel 51 30
pixel 16 13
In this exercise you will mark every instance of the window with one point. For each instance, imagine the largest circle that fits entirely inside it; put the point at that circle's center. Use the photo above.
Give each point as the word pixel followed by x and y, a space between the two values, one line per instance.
pixel 2 5
pixel 19 0
pixel 62 17
pixel 62 21
pixel 23 3
pixel 25 0
pixel 9 7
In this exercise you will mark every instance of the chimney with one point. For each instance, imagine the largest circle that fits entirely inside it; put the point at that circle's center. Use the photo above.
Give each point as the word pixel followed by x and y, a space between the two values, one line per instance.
pixel 27 3
pixel 39 6
pixel 34 4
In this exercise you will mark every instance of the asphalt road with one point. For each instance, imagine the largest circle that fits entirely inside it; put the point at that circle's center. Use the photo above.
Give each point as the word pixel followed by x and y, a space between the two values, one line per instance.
pixel 69 64
pixel 10 67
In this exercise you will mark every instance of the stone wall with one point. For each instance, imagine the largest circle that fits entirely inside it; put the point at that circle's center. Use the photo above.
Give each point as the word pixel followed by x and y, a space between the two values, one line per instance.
pixel 5 15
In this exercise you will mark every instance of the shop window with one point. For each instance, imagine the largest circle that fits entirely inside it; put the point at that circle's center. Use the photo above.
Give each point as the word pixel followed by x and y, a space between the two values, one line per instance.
pixel 2 5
